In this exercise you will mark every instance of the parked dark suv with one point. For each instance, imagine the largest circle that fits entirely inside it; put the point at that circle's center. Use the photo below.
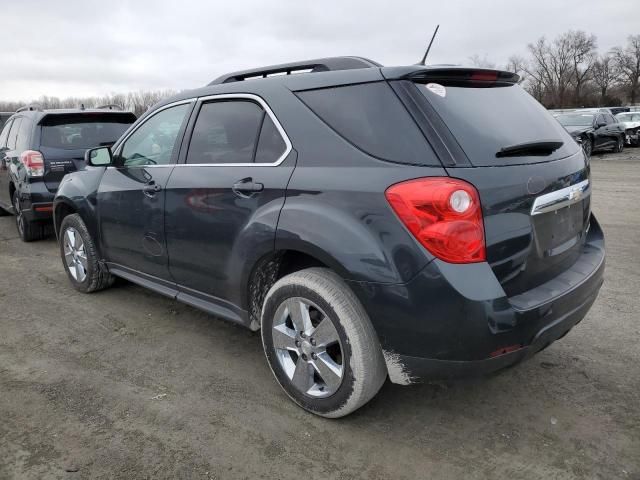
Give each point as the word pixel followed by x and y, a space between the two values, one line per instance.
pixel 38 147
pixel 408 222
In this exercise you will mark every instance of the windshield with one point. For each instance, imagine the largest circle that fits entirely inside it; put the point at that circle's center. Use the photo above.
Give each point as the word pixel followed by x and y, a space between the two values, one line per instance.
pixel 576 120
pixel 628 117
pixel 490 122
pixel 83 131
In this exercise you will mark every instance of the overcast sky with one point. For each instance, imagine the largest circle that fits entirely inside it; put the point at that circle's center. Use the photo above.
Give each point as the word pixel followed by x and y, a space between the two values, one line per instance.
pixel 86 47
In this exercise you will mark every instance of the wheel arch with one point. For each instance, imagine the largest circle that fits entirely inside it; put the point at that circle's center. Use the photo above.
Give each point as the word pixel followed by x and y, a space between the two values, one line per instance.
pixel 268 269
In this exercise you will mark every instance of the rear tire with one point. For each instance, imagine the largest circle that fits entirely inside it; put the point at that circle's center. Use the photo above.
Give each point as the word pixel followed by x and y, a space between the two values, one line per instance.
pixel 333 364
pixel 29 231
pixel 619 145
pixel 80 257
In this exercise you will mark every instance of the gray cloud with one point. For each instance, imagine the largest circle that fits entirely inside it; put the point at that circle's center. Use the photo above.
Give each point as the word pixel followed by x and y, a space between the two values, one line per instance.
pixel 77 47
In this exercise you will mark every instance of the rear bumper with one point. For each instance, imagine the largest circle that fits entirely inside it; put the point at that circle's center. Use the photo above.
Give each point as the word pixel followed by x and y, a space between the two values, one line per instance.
pixel 455 321
pixel 36 202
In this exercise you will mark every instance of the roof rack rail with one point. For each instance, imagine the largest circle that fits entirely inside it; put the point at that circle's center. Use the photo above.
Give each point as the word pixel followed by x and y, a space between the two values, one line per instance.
pixel 31 107
pixel 308 66
pixel 110 106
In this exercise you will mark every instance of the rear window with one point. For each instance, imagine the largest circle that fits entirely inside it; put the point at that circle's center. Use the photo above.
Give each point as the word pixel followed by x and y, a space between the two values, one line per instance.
pixel 371 117
pixel 71 132
pixel 486 119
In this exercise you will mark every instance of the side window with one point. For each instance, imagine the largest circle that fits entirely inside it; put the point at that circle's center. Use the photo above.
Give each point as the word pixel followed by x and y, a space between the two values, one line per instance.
pixel 600 119
pixel 13 134
pixel 225 132
pixel 371 117
pixel 5 134
pixel 154 141
pixel 610 119
pixel 270 144
pixel 24 135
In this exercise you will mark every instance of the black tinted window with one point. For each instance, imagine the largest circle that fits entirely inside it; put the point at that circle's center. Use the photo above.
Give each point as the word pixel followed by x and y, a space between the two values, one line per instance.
pixel 72 132
pixel 225 132
pixel 372 118
pixel 271 144
pixel 13 133
pixel 5 134
pixel 24 135
pixel 486 119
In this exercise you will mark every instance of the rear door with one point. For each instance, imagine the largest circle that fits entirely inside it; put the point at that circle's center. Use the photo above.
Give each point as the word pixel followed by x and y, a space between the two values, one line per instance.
pixel 131 195
pixel 533 181
pixel 10 158
pixel 5 200
pixel 223 201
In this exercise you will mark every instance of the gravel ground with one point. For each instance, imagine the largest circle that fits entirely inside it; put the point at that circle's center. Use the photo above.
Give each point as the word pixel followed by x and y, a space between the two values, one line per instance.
pixel 128 384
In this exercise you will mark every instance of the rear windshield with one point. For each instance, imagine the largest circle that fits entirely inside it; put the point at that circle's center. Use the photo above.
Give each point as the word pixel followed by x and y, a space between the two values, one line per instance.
pixel 83 131
pixel 576 120
pixel 485 120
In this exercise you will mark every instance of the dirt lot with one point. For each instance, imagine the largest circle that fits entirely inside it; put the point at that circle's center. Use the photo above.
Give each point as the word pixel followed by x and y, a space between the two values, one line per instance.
pixel 128 384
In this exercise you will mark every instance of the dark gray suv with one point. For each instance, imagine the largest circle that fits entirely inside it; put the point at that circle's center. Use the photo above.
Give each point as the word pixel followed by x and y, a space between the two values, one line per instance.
pixel 373 222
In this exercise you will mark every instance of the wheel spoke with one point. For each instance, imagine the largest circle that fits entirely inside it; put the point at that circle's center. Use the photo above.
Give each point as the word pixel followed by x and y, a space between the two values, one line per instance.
pixel 329 371
pixel 70 238
pixel 284 338
pixel 325 333
pixel 299 312
pixel 83 260
pixel 68 256
pixel 302 376
pixel 79 272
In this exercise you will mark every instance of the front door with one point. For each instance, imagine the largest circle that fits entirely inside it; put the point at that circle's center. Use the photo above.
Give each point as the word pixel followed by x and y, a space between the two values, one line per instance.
pixel 131 195
pixel 223 201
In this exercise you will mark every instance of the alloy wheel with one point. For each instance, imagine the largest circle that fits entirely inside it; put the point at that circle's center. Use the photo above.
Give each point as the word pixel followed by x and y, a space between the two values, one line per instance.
pixel 308 348
pixel 75 254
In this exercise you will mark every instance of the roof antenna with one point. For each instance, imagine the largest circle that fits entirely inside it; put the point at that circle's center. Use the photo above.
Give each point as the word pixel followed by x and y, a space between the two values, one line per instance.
pixel 424 59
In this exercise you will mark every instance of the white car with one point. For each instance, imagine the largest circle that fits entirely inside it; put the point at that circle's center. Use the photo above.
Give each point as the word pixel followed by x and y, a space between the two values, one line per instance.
pixel 631 122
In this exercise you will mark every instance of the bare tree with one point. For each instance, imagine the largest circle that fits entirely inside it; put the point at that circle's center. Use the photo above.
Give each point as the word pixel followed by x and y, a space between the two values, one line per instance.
pixel 604 75
pixel 551 68
pixel 517 65
pixel 481 62
pixel 582 49
pixel 627 61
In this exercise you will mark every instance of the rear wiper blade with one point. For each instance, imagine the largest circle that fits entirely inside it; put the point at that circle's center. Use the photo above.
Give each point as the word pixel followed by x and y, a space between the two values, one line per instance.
pixel 541 147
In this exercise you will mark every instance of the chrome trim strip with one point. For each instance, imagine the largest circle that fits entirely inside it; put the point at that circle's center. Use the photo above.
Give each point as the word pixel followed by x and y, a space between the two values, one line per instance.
pixel 561 198
pixel 224 96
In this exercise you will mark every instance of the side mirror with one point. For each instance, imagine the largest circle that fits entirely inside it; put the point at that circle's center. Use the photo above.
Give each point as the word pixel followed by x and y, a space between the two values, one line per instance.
pixel 98 157
pixel 600 123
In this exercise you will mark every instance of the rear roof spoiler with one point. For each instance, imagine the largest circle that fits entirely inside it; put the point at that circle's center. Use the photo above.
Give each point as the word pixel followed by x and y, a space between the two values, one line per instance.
pixel 310 66
pixel 449 74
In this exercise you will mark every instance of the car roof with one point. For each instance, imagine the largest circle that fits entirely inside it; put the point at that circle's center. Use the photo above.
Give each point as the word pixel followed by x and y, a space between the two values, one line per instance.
pixel 282 78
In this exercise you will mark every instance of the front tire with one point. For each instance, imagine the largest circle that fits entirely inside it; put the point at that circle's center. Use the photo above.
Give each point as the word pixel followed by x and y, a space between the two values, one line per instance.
pixel 587 147
pixel 320 343
pixel 80 256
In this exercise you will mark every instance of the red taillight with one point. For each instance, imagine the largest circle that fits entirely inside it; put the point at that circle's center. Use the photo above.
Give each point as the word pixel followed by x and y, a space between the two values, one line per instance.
pixel 33 162
pixel 444 214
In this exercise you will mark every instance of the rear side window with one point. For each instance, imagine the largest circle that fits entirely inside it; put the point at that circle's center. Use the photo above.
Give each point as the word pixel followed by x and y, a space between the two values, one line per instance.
pixel 485 120
pixel 24 135
pixel 271 145
pixel 234 131
pixel 82 131
pixel 13 133
pixel 372 118
pixel 5 134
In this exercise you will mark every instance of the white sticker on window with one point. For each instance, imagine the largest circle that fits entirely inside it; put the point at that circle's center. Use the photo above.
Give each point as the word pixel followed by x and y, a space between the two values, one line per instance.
pixel 437 89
